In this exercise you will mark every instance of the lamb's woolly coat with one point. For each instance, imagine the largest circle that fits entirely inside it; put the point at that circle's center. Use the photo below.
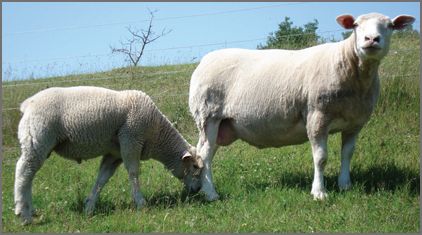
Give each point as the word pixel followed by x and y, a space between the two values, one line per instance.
pixel 80 123
pixel 85 122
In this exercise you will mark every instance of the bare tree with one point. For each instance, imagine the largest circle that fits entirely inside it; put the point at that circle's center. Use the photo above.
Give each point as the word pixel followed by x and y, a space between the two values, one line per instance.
pixel 134 47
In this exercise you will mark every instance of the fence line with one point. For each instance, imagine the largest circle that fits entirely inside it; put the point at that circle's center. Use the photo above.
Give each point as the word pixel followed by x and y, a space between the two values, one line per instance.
pixel 9 149
pixel 161 94
pixel 128 76
pixel 8 109
pixel 96 79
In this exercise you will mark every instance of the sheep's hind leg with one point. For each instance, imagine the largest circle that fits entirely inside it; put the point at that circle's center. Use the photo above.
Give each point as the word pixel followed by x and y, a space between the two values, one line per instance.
pixel 108 166
pixel 26 168
pixel 347 149
pixel 207 147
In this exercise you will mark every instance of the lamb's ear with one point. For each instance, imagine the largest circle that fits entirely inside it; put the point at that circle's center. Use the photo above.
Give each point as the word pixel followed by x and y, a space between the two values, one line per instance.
pixel 346 21
pixel 187 156
pixel 402 21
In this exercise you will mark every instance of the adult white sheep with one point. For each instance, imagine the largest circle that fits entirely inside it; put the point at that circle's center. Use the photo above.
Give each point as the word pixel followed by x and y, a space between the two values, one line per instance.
pixel 80 123
pixel 273 98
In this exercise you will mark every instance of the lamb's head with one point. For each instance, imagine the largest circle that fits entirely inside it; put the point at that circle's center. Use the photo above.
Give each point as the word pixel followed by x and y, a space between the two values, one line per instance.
pixel 372 32
pixel 192 168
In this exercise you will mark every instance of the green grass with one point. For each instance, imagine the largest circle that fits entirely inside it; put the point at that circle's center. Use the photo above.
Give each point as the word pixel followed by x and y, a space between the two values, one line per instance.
pixel 261 190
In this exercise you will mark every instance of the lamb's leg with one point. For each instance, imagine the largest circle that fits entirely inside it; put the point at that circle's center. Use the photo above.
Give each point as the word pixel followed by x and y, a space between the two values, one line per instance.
pixel 207 147
pixel 131 153
pixel 317 128
pixel 108 166
pixel 347 149
pixel 26 168
pixel 37 142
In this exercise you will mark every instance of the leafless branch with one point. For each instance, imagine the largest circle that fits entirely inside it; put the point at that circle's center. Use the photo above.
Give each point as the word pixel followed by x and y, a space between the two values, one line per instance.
pixel 134 46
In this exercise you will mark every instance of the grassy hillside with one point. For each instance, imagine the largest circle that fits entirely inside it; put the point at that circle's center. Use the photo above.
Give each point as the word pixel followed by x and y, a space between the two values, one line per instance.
pixel 261 190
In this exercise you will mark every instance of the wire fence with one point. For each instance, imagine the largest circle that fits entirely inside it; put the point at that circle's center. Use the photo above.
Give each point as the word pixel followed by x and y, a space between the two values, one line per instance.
pixel 22 83
pixel 157 96
pixel 93 79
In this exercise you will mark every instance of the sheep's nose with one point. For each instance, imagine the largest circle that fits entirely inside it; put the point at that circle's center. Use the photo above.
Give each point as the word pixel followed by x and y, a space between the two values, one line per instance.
pixel 373 39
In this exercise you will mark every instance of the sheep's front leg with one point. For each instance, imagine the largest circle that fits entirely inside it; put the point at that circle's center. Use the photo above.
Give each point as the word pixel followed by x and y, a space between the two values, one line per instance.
pixel 108 166
pixel 133 171
pixel 131 153
pixel 207 147
pixel 347 149
pixel 317 127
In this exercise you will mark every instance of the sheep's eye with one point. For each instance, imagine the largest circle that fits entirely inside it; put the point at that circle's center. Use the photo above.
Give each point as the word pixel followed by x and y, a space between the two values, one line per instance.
pixel 355 25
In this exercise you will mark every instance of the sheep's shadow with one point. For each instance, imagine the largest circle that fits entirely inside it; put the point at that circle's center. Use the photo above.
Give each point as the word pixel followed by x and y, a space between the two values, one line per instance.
pixel 157 200
pixel 376 178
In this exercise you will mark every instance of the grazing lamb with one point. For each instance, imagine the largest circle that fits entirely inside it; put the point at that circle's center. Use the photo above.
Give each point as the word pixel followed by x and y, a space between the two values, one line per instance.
pixel 274 98
pixel 80 123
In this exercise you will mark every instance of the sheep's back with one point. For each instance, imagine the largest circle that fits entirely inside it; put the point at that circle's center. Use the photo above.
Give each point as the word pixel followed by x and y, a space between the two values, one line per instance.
pixel 259 82
pixel 85 120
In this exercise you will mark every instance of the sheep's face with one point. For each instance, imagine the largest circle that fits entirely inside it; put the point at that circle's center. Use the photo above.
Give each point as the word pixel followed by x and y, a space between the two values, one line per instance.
pixel 373 32
pixel 193 166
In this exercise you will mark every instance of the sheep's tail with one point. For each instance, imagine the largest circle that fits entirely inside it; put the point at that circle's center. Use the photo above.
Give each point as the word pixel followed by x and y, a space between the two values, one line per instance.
pixel 25 104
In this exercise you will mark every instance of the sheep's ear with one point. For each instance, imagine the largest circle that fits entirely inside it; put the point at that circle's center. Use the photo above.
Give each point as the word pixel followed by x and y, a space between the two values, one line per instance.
pixel 402 21
pixel 199 162
pixel 346 21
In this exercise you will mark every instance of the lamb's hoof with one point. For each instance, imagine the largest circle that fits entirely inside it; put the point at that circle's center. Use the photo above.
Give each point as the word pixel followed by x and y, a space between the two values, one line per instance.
pixel 345 187
pixel 26 221
pixel 25 215
pixel 212 197
pixel 140 204
pixel 88 211
pixel 319 196
pixel 88 207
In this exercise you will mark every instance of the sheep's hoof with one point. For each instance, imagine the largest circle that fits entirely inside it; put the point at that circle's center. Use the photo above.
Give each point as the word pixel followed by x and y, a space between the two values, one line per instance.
pixel 319 196
pixel 344 184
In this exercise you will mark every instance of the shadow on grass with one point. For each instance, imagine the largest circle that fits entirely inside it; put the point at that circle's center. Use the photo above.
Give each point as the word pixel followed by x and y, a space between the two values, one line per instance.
pixel 386 178
pixel 164 200
pixel 157 200
pixel 376 178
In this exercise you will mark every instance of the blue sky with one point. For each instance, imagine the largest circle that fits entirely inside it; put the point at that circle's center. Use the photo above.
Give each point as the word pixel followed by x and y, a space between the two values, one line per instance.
pixel 49 39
